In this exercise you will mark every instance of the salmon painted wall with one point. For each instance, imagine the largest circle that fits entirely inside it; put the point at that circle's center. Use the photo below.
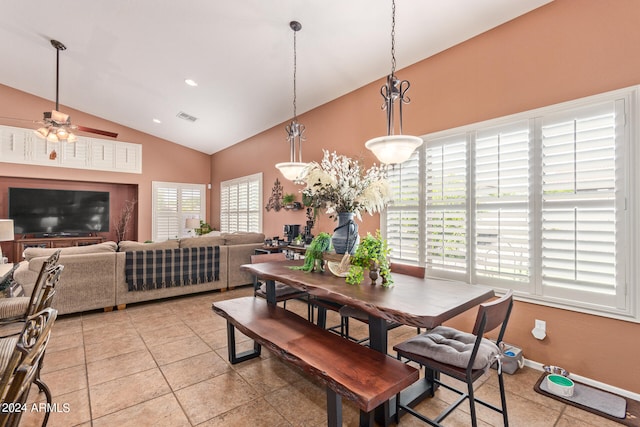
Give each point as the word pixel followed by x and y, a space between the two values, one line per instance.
pixel 565 50
pixel 161 159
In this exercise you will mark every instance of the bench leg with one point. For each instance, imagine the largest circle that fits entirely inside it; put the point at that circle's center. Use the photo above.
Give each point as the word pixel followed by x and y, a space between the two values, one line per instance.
pixel 231 346
pixel 334 409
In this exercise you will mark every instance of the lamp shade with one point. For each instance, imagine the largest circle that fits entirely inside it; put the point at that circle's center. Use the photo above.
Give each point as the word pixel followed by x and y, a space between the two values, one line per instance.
pixel 291 170
pixel 392 149
pixel 6 230
pixel 192 223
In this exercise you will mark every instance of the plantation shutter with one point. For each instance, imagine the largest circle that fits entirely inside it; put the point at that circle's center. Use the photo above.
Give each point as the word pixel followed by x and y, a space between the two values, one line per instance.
pixel 446 198
pixel 166 209
pixel 240 204
pixel 501 202
pixel 173 203
pixel 580 215
pixel 402 214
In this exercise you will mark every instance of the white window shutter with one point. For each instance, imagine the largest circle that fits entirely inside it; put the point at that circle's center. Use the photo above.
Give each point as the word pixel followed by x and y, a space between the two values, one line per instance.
pixel 173 203
pixel 579 203
pixel 241 204
pixel 446 197
pixel 502 213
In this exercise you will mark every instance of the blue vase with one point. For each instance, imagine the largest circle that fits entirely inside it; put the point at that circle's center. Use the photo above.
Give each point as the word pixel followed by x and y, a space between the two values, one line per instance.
pixel 345 237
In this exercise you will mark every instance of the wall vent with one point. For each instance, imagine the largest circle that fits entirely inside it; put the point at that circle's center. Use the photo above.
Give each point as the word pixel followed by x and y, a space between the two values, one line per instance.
pixel 184 116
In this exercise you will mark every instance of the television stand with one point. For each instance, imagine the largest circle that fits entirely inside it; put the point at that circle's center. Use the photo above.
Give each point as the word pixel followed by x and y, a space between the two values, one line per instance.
pixel 51 242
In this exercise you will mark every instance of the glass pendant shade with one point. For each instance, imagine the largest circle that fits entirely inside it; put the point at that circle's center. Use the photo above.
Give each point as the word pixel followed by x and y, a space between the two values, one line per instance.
pixel 392 149
pixel 291 170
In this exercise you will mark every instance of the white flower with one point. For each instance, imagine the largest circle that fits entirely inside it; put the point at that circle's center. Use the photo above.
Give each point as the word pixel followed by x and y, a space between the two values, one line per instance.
pixel 340 184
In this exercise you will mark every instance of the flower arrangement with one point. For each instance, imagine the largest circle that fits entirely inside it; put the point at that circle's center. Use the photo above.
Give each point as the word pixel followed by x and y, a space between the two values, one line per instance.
pixel 340 184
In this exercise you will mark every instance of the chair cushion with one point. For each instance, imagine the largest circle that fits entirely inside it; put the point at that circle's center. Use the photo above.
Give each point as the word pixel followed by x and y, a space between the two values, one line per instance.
pixel 11 308
pixel 452 347
pixel 7 345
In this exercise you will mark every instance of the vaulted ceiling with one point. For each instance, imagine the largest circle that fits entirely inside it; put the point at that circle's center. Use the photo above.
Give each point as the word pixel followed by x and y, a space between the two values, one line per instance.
pixel 127 61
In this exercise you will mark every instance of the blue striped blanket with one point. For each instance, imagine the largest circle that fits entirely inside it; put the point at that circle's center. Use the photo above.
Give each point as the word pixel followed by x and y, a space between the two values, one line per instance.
pixel 165 268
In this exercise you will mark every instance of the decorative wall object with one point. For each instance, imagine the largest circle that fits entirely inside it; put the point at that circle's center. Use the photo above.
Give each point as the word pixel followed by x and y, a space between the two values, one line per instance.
pixel 275 201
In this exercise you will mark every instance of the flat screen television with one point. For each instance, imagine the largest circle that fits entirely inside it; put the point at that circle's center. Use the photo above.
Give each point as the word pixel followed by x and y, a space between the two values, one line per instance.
pixel 49 213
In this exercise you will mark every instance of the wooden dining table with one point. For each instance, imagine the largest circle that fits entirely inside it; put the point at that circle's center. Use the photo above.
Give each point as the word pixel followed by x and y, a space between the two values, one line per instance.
pixel 413 301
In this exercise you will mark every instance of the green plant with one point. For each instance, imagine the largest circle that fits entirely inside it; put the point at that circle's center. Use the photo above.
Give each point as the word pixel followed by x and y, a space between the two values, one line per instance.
pixel 203 229
pixel 288 198
pixel 372 253
pixel 313 255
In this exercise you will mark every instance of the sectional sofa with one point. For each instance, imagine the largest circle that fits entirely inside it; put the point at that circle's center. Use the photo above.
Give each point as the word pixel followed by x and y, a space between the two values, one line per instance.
pixel 98 277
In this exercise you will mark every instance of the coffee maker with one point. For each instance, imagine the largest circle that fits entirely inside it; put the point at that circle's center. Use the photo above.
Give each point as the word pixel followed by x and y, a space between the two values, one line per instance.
pixel 291 231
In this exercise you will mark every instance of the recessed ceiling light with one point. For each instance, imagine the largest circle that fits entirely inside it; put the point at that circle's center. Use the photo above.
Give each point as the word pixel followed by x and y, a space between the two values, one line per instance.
pixel 157 121
pixel 191 82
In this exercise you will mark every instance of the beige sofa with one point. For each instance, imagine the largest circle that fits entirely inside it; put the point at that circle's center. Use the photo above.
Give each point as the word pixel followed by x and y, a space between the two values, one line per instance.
pixel 94 276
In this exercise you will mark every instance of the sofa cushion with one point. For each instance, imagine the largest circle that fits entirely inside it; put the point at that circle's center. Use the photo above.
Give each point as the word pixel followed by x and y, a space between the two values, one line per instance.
pixel 206 240
pixel 128 245
pixel 30 253
pixel 242 238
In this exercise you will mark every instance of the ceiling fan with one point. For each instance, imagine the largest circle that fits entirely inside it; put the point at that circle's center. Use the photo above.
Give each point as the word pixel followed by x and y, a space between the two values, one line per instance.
pixel 56 125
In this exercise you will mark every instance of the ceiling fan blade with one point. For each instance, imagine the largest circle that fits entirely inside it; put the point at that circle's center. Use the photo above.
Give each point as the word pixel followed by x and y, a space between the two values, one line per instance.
pixel 96 131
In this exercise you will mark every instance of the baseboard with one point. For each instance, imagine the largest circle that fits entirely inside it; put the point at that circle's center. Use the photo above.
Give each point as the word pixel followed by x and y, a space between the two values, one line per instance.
pixel 602 386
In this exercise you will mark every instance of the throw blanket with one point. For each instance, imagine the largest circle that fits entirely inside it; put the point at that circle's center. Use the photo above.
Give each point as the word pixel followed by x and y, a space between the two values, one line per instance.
pixel 164 268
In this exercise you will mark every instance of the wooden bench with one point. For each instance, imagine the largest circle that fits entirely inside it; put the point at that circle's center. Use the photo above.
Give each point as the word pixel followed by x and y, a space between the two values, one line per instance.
pixel 362 375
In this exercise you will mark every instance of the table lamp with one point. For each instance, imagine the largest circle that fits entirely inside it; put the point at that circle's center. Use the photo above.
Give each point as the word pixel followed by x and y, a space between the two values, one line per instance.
pixel 192 224
pixel 6 234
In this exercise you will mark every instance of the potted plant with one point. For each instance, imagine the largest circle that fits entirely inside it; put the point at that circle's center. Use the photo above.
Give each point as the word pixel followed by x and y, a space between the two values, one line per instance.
pixel 313 255
pixel 373 255
pixel 203 229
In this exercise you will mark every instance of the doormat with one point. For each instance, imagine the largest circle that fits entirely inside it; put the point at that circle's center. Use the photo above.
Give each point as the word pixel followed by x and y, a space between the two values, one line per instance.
pixel 598 397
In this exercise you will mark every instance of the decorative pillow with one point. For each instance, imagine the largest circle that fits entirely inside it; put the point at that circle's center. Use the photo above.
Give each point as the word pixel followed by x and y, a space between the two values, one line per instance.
pixel 30 253
pixel 450 346
pixel 206 240
pixel 242 238
pixel 128 245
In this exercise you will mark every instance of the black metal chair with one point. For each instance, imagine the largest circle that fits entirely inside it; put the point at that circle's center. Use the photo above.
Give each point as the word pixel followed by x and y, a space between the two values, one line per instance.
pixel 463 356
pixel 283 292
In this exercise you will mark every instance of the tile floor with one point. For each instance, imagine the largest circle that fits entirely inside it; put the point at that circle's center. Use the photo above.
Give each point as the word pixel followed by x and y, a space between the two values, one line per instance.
pixel 165 364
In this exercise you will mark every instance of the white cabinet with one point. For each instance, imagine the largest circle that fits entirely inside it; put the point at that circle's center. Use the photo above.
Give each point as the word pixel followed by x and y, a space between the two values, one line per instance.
pixel 19 145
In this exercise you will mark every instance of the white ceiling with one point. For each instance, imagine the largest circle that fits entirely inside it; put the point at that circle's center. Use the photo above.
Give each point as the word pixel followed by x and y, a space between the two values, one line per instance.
pixel 126 61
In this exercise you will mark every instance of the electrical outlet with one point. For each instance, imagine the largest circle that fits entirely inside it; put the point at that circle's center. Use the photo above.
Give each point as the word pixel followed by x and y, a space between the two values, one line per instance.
pixel 541 325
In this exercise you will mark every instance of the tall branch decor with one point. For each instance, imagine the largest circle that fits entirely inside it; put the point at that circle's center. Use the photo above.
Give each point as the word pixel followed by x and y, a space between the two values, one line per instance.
pixel 122 223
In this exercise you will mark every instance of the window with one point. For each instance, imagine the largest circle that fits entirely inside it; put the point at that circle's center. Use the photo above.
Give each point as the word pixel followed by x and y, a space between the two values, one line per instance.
pixel 537 202
pixel 241 204
pixel 173 203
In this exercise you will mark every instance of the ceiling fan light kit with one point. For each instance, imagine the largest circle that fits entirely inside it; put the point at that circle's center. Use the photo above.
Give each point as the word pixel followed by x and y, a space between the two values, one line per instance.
pixel 392 149
pixel 57 125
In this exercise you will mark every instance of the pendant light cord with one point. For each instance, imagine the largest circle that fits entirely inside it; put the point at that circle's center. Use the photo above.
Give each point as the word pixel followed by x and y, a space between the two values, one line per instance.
pixel 393 37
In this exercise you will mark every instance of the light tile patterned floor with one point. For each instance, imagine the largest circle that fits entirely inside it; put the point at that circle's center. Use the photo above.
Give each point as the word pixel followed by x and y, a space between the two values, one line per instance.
pixel 165 364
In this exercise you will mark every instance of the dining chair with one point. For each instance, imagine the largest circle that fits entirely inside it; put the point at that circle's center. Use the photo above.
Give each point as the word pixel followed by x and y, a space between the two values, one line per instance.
pixel 16 309
pixel 347 312
pixel 460 355
pixel 24 366
pixel 283 292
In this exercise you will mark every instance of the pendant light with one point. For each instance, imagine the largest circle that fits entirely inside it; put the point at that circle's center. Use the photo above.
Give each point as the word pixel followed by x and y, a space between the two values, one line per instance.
pixel 295 131
pixel 391 149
